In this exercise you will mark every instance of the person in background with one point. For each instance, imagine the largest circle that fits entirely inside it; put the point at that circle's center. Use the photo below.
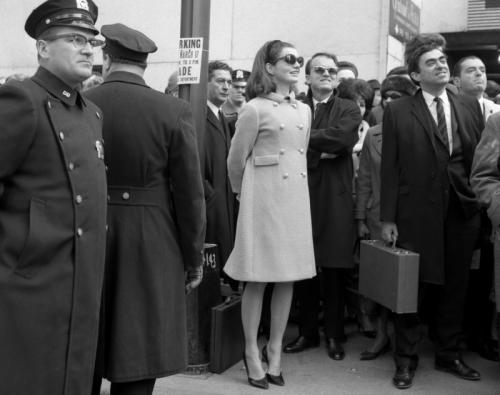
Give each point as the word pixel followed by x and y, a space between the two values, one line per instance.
pixel 91 82
pixel 52 210
pixel 367 211
pixel 236 98
pixel 333 134
pixel 172 86
pixel 346 70
pixel 427 205
pixel 156 219
pixel 268 170
pixel 492 91
pixel 371 116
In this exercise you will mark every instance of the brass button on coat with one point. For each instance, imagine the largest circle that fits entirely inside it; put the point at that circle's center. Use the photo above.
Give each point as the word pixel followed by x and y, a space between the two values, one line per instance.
pixel 71 166
pixel 125 196
pixel 79 232
pixel 78 199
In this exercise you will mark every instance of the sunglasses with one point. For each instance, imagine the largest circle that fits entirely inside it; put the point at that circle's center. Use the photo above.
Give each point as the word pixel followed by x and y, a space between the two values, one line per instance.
pixel 292 59
pixel 321 70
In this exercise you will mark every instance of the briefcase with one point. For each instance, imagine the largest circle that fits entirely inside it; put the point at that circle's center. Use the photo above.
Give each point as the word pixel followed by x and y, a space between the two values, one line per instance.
pixel 227 341
pixel 389 276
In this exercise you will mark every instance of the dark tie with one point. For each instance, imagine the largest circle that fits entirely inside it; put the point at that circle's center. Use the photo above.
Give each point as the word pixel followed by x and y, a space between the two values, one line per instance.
pixel 316 110
pixel 443 131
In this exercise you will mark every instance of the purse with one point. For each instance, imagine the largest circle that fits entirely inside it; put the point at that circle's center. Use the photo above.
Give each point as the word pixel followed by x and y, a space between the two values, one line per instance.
pixel 227 340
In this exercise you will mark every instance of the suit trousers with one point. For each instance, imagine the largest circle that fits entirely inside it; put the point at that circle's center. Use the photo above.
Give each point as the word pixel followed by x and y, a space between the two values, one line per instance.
pixel 308 293
pixel 142 387
pixel 447 300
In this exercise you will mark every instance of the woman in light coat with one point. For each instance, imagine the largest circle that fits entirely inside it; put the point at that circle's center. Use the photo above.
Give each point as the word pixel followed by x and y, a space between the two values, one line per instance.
pixel 268 170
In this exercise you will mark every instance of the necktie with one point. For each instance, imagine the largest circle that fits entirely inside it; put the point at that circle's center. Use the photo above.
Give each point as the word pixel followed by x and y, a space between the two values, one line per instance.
pixel 443 131
pixel 316 110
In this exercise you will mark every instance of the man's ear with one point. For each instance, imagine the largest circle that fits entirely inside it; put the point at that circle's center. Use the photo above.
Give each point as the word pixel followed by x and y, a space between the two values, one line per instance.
pixel 42 48
pixel 416 76
pixel 456 82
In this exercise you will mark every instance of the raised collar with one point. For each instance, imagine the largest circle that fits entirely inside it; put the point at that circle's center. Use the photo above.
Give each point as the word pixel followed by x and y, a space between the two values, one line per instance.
pixel 278 98
pixel 125 76
pixel 57 87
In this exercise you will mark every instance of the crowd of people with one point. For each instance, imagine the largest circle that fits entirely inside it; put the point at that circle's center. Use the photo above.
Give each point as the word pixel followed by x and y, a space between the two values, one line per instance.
pixel 106 201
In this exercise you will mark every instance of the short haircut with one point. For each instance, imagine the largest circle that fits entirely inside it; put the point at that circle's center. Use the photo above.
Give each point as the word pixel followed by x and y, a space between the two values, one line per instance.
pixel 492 88
pixel 457 69
pixel 399 70
pixel 375 84
pixel 260 82
pixel 217 65
pixel 318 54
pixel 419 45
pixel 354 87
pixel 344 64
pixel 399 84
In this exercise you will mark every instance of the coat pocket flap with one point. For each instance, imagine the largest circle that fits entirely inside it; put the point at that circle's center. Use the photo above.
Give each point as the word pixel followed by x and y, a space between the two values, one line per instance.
pixel 266 160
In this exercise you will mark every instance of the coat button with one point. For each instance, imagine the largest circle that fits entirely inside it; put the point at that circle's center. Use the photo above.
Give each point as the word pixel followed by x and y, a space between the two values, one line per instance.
pixel 49 105
pixel 301 150
pixel 275 104
pixel 282 126
pixel 61 136
pixel 71 166
pixel 282 151
pixel 109 198
pixel 79 232
pixel 285 176
pixel 300 126
pixel 78 199
pixel 125 196
pixel 98 115
pixel 303 174
pixel 106 168
pixel 294 105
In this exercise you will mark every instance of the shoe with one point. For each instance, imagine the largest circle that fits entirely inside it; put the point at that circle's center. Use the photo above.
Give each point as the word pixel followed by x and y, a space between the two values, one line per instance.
pixel 258 383
pixel 403 378
pixel 458 368
pixel 335 349
pixel 487 351
pixel 368 355
pixel 271 378
pixel 300 344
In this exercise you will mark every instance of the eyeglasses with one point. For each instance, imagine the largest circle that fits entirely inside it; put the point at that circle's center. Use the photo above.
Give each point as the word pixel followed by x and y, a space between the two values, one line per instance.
pixel 292 59
pixel 78 41
pixel 321 70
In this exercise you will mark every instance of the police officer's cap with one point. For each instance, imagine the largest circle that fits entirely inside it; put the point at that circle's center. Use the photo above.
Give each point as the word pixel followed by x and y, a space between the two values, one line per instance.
pixel 240 75
pixel 126 44
pixel 81 14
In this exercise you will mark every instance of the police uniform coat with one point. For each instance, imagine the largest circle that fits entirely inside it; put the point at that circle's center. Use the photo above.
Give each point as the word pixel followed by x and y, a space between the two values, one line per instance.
pixel 414 181
pixel 220 199
pixel 52 237
pixel 334 132
pixel 267 168
pixel 156 227
pixel 485 180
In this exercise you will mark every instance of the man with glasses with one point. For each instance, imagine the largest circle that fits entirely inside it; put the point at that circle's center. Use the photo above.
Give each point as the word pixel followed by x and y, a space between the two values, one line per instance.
pixel 219 196
pixel 52 210
pixel 427 204
pixel 334 132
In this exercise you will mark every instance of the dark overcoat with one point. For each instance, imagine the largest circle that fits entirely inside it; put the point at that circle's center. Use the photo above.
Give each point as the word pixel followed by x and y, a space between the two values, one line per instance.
pixel 334 131
pixel 156 224
pixel 414 179
pixel 52 237
pixel 219 195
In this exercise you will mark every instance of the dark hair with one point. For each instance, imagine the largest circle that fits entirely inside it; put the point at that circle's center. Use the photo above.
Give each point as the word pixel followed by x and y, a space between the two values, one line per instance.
pixel 457 69
pixel 492 88
pixel 344 64
pixel 419 45
pixel 354 87
pixel 399 70
pixel 217 65
pixel 398 83
pixel 260 82
pixel 374 84
pixel 318 54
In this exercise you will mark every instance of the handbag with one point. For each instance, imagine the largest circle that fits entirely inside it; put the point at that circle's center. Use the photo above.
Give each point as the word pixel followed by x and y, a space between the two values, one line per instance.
pixel 227 340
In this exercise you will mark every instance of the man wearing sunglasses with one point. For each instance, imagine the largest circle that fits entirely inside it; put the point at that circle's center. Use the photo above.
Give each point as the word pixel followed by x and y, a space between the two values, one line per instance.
pixel 52 210
pixel 334 132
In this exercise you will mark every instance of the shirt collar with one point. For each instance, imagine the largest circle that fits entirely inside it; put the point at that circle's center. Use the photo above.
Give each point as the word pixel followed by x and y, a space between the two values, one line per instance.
pixel 57 87
pixel 315 102
pixel 429 99
pixel 279 98
pixel 214 108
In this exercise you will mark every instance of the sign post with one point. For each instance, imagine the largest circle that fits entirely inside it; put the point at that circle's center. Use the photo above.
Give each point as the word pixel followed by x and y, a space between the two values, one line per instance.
pixel 404 20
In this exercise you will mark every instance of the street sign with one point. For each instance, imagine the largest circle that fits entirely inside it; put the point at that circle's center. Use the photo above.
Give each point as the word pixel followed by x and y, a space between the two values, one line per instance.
pixel 190 54
pixel 404 20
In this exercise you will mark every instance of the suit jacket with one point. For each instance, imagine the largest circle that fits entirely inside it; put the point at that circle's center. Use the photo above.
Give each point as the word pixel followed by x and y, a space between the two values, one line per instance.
pixel 415 177
pixel 334 130
pixel 218 193
pixel 156 222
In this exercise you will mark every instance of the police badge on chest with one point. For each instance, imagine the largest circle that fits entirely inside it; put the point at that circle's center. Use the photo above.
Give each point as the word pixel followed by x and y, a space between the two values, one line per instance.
pixel 100 149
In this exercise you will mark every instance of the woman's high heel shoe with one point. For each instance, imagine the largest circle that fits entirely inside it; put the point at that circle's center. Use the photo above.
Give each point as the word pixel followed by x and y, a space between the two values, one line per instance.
pixel 259 383
pixel 276 380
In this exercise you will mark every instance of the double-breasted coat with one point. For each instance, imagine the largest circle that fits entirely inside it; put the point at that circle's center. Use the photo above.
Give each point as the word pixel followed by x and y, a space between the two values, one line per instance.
pixel 414 175
pixel 52 236
pixel 485 180
pixel 220 199
pixel 334 132
pixel 268 169
pixel 156 227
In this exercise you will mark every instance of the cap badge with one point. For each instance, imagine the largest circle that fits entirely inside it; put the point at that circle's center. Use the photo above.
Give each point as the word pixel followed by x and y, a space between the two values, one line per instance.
pixel 239 74
pixel 83 4
pixel 100 149
pixel 66 93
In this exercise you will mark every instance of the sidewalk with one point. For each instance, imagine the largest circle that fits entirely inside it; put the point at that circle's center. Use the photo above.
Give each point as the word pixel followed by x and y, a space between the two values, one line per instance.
pixel 312 372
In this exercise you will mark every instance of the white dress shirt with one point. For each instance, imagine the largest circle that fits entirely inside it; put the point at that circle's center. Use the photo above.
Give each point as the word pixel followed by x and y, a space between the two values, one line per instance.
pixel 431 104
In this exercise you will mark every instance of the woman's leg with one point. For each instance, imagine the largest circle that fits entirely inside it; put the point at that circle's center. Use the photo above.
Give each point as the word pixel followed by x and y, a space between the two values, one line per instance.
pixel 382 337
pixel 280 310
pixel 251 308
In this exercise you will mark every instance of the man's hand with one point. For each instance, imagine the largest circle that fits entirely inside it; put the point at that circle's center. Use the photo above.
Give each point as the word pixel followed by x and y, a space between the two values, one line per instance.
pixel 363 230
pixel 389 232
pixel 193 278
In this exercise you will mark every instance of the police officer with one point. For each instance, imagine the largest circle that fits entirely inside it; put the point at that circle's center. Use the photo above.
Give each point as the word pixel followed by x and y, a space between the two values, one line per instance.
pixel 156 218
pixel 52 210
